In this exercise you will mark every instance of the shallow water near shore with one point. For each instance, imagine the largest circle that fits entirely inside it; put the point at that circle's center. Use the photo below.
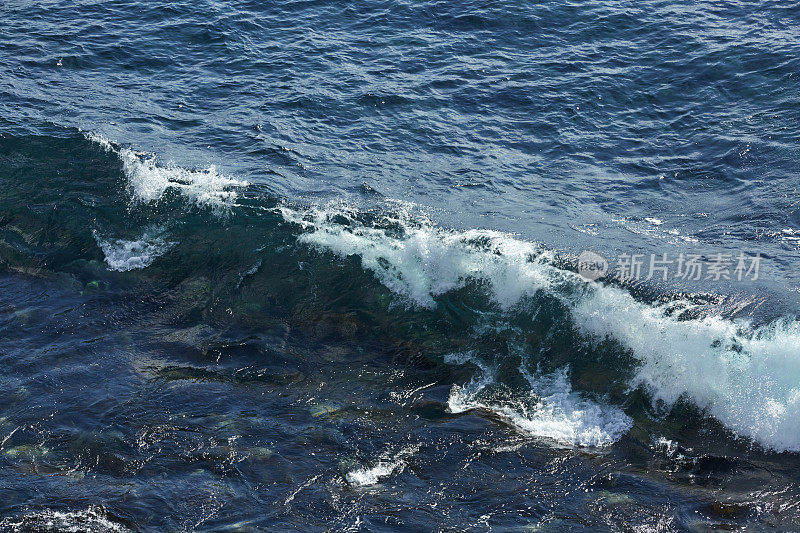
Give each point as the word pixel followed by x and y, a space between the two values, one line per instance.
pixel 315 267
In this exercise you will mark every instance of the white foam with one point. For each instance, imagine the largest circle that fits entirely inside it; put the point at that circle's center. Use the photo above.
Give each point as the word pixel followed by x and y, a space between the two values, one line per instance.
pixel 123 255
pixel 746 377
pixel 551 409
pixel 87 520
pixel 427 261
pixel 383 468
pixel 148 181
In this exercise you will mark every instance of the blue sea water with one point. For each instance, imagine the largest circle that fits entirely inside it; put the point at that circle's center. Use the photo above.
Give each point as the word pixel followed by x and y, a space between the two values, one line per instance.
pixel 314 265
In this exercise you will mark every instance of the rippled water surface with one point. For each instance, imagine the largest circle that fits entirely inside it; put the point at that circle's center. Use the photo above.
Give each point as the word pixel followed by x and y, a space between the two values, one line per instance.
pixel 312 266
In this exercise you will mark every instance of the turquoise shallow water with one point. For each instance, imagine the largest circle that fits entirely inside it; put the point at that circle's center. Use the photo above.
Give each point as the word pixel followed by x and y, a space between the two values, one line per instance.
pixel 312 266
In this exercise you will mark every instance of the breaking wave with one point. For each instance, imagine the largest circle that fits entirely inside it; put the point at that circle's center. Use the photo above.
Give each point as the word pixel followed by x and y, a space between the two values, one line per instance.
pixel 747 377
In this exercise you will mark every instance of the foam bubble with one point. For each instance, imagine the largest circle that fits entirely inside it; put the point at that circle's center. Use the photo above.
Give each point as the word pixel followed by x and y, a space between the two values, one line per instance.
pixel 747 377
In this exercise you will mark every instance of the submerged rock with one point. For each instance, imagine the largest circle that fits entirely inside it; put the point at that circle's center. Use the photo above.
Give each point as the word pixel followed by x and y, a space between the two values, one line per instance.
pixel 28 452
pixel 727 510
pixel 321 410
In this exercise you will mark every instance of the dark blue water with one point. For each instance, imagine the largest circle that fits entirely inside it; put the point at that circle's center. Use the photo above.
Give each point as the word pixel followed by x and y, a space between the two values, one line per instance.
pixel 312 266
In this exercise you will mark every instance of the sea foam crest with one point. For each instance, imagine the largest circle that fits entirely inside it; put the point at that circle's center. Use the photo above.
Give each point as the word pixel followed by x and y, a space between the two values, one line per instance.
pixel 148 181
pixel 747 377
pixel 427 261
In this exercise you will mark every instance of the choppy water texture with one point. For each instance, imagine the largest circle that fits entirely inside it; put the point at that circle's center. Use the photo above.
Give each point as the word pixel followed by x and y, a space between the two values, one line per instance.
pixel 309 266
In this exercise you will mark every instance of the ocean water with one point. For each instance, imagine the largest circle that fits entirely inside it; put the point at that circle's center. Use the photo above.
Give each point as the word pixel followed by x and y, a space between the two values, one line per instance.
pixel 321 266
